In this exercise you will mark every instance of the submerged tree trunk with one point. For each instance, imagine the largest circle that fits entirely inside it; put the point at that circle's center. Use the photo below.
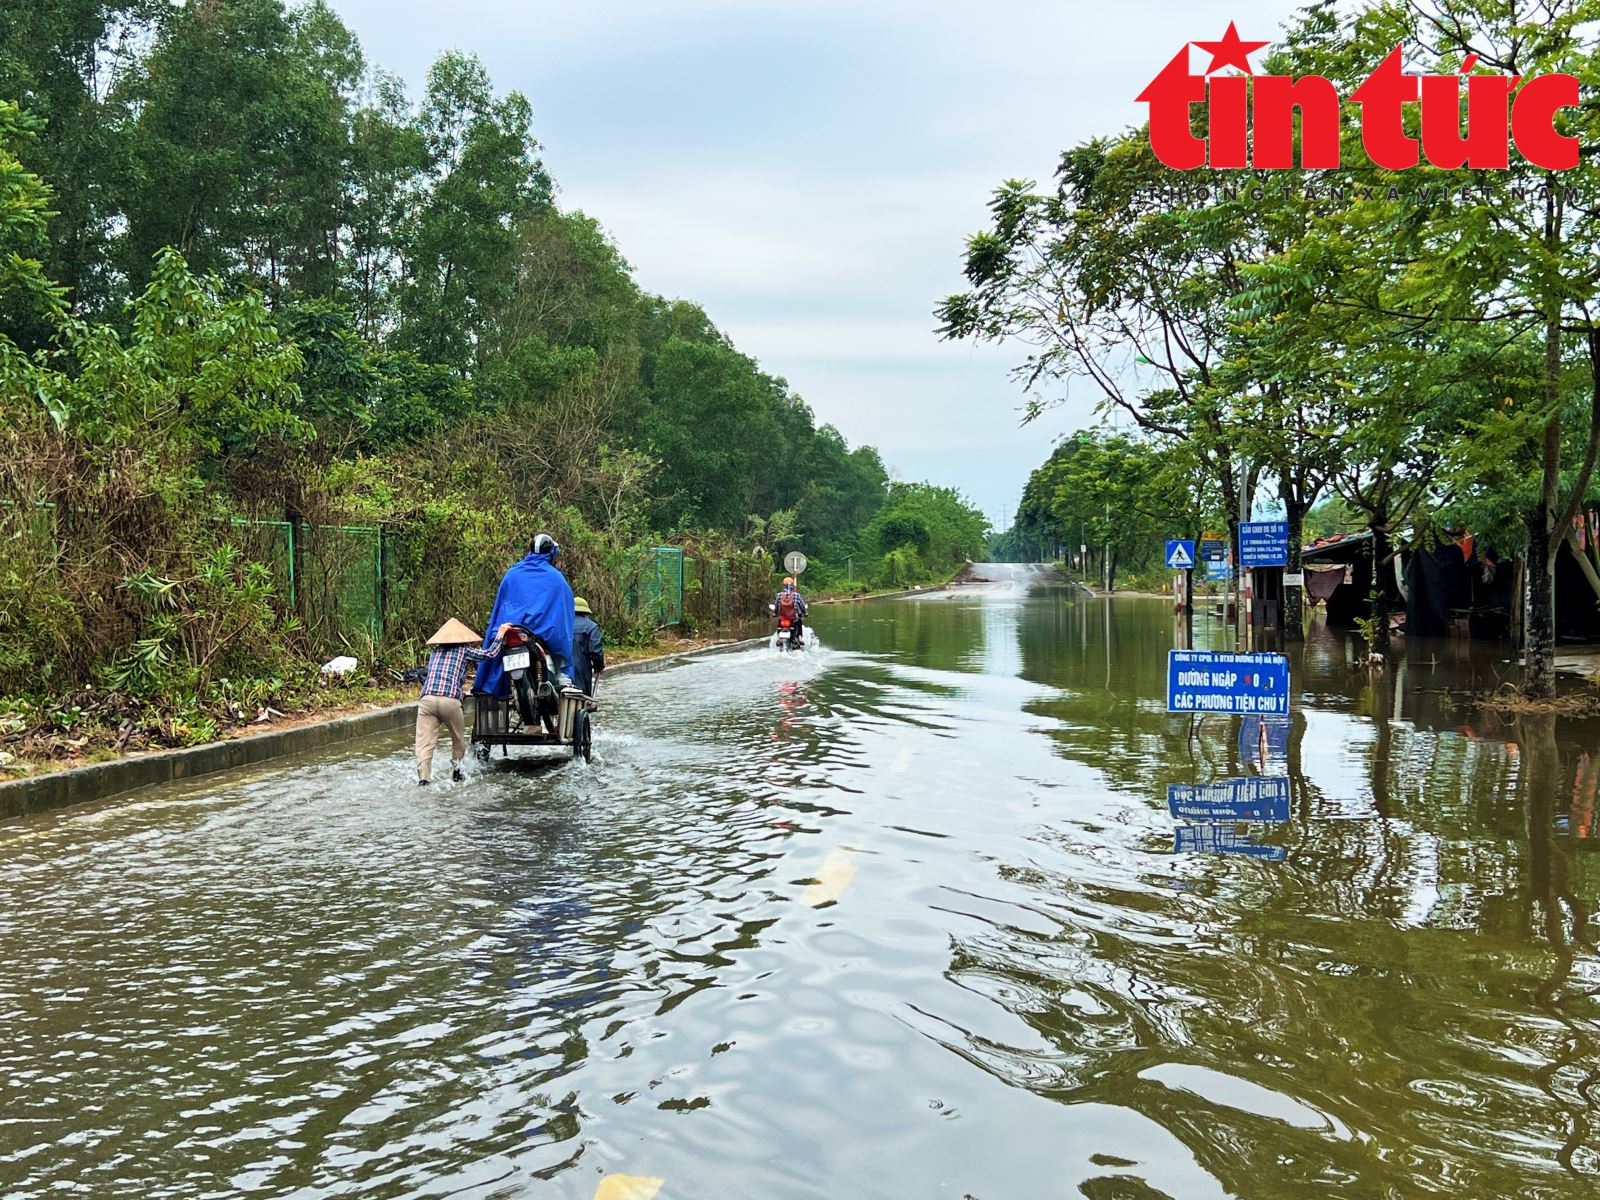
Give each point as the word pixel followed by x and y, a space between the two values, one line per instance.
pixel 1380 593
pixel 1293 626
pixel 1540 635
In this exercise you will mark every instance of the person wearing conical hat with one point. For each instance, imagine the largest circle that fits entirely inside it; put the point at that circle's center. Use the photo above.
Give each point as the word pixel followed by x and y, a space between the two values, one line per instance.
pixel 454 647
pixel 588 647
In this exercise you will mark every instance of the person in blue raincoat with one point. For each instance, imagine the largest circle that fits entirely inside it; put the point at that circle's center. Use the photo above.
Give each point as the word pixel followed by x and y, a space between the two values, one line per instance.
pixel 534 594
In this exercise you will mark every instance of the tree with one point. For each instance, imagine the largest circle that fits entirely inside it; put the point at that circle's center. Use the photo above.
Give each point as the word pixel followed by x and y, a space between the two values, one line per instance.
pixel 27 296
pixel 61 60
pixel 238 143
pixel 460 238
pixel 1112 283
pixel 1470 309
pixel 1120 495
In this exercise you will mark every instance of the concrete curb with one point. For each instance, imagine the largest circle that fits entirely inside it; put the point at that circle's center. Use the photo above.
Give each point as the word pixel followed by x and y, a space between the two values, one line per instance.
pixel 921 591
pixel 80 785
pixel 59 789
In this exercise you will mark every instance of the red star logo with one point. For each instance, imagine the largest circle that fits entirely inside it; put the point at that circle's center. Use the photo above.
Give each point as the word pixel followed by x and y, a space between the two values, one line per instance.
pixel 1231 51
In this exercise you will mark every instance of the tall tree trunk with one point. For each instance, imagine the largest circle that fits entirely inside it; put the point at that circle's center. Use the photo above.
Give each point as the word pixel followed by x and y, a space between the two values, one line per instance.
pixel 1540 636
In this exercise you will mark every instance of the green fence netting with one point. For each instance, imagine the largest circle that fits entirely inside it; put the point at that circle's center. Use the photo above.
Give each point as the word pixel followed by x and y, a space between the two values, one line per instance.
pixel 661 585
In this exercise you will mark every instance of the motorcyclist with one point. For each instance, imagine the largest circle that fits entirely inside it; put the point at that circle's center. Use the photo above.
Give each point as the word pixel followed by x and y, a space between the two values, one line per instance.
pixel 789 604
pixel 535 595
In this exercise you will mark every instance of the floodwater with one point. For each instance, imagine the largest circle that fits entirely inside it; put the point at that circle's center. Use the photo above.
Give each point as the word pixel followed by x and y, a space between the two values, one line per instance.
pixel 908 916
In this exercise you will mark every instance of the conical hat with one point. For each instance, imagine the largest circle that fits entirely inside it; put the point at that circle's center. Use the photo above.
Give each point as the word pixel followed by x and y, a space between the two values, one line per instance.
pixel 453 633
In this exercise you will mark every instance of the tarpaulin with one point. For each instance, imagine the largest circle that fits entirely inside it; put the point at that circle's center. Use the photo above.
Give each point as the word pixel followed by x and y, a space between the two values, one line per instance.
pixel 535 594
pixel 1321 581
pixel 1441 580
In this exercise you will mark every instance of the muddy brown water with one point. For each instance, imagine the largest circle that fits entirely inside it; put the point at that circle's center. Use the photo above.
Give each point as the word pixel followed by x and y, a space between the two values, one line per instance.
pixel 903 917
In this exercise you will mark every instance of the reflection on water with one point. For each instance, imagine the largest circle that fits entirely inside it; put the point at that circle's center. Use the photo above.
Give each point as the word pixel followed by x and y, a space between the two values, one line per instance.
pixel 1253 798
pixel 1221 838
pixel 900 918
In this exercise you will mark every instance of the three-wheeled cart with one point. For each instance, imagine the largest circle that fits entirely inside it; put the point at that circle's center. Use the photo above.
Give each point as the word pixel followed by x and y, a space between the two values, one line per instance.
pixel 498 723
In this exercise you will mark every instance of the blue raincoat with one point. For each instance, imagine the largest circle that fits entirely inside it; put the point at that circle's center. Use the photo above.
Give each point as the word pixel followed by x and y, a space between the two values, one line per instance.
pixel 535 594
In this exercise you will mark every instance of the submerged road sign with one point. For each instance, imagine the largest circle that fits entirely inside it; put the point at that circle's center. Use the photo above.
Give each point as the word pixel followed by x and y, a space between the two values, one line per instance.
pixel 1180 555
pixel 1257 798
pixel 1206 681
pixel 1264 543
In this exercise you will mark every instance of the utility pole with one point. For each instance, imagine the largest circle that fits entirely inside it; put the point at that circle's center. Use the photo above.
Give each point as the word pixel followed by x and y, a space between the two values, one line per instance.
pixel 1106 549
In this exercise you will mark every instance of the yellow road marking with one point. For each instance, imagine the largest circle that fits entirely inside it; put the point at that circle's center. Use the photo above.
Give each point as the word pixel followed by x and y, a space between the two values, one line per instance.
pixel 628 1187
pixel 835 872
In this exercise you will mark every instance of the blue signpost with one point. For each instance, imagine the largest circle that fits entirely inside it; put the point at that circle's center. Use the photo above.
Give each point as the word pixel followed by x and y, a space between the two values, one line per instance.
pixel 1264 737
pixel 1264 544
pixel 1180 555
pixel 1208 681
pixel 1257 798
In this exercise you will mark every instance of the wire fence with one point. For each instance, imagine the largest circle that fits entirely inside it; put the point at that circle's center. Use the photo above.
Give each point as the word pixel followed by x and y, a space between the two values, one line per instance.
pixel 355 586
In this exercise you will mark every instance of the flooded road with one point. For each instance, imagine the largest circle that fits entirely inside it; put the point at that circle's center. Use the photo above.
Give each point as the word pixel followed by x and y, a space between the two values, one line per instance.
pixel 909 916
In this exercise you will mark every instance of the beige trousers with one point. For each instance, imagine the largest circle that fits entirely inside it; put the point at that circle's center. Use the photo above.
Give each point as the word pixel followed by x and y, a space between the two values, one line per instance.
pixel 431 713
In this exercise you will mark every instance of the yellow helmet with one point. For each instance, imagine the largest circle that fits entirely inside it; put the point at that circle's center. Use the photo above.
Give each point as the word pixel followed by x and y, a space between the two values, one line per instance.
pixel 579 604
pixel 788 581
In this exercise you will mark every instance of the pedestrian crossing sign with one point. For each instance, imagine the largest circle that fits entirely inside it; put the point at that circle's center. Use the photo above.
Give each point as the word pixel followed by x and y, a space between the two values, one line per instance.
pixel 1180 555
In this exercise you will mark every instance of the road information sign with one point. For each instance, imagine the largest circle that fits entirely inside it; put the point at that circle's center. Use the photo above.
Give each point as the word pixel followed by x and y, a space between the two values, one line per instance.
pixel 1213 549
pixel 1180 556
pixel 1258 798
pixel 1264 543
pixel 795 562
pixel 1208 681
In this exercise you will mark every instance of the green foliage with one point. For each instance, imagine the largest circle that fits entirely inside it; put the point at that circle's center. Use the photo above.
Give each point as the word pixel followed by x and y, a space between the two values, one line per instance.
pixel 222 619
pixel 1113 492
pixel 924 534
pixel 26 294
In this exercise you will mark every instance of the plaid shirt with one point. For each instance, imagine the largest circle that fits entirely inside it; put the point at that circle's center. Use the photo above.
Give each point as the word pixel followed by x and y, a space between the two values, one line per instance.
pixel 447 667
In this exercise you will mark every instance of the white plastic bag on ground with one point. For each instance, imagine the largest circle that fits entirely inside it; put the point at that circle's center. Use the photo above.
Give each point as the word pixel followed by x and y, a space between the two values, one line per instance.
pixel 342 665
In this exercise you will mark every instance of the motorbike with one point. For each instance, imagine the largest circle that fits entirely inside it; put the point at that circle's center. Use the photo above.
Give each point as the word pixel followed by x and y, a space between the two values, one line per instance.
pixel 547 711
pixel 789 635
pixel 529 666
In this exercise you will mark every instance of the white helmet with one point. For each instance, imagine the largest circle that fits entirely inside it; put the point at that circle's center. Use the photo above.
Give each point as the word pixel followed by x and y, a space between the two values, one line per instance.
pixel 543 543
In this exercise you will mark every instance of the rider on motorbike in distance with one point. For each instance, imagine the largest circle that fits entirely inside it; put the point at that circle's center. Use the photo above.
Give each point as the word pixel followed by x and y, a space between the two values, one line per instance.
pixel 791 605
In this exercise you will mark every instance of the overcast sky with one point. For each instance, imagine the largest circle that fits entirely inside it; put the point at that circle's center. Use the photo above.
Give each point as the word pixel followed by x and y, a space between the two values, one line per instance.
pixel 807 172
